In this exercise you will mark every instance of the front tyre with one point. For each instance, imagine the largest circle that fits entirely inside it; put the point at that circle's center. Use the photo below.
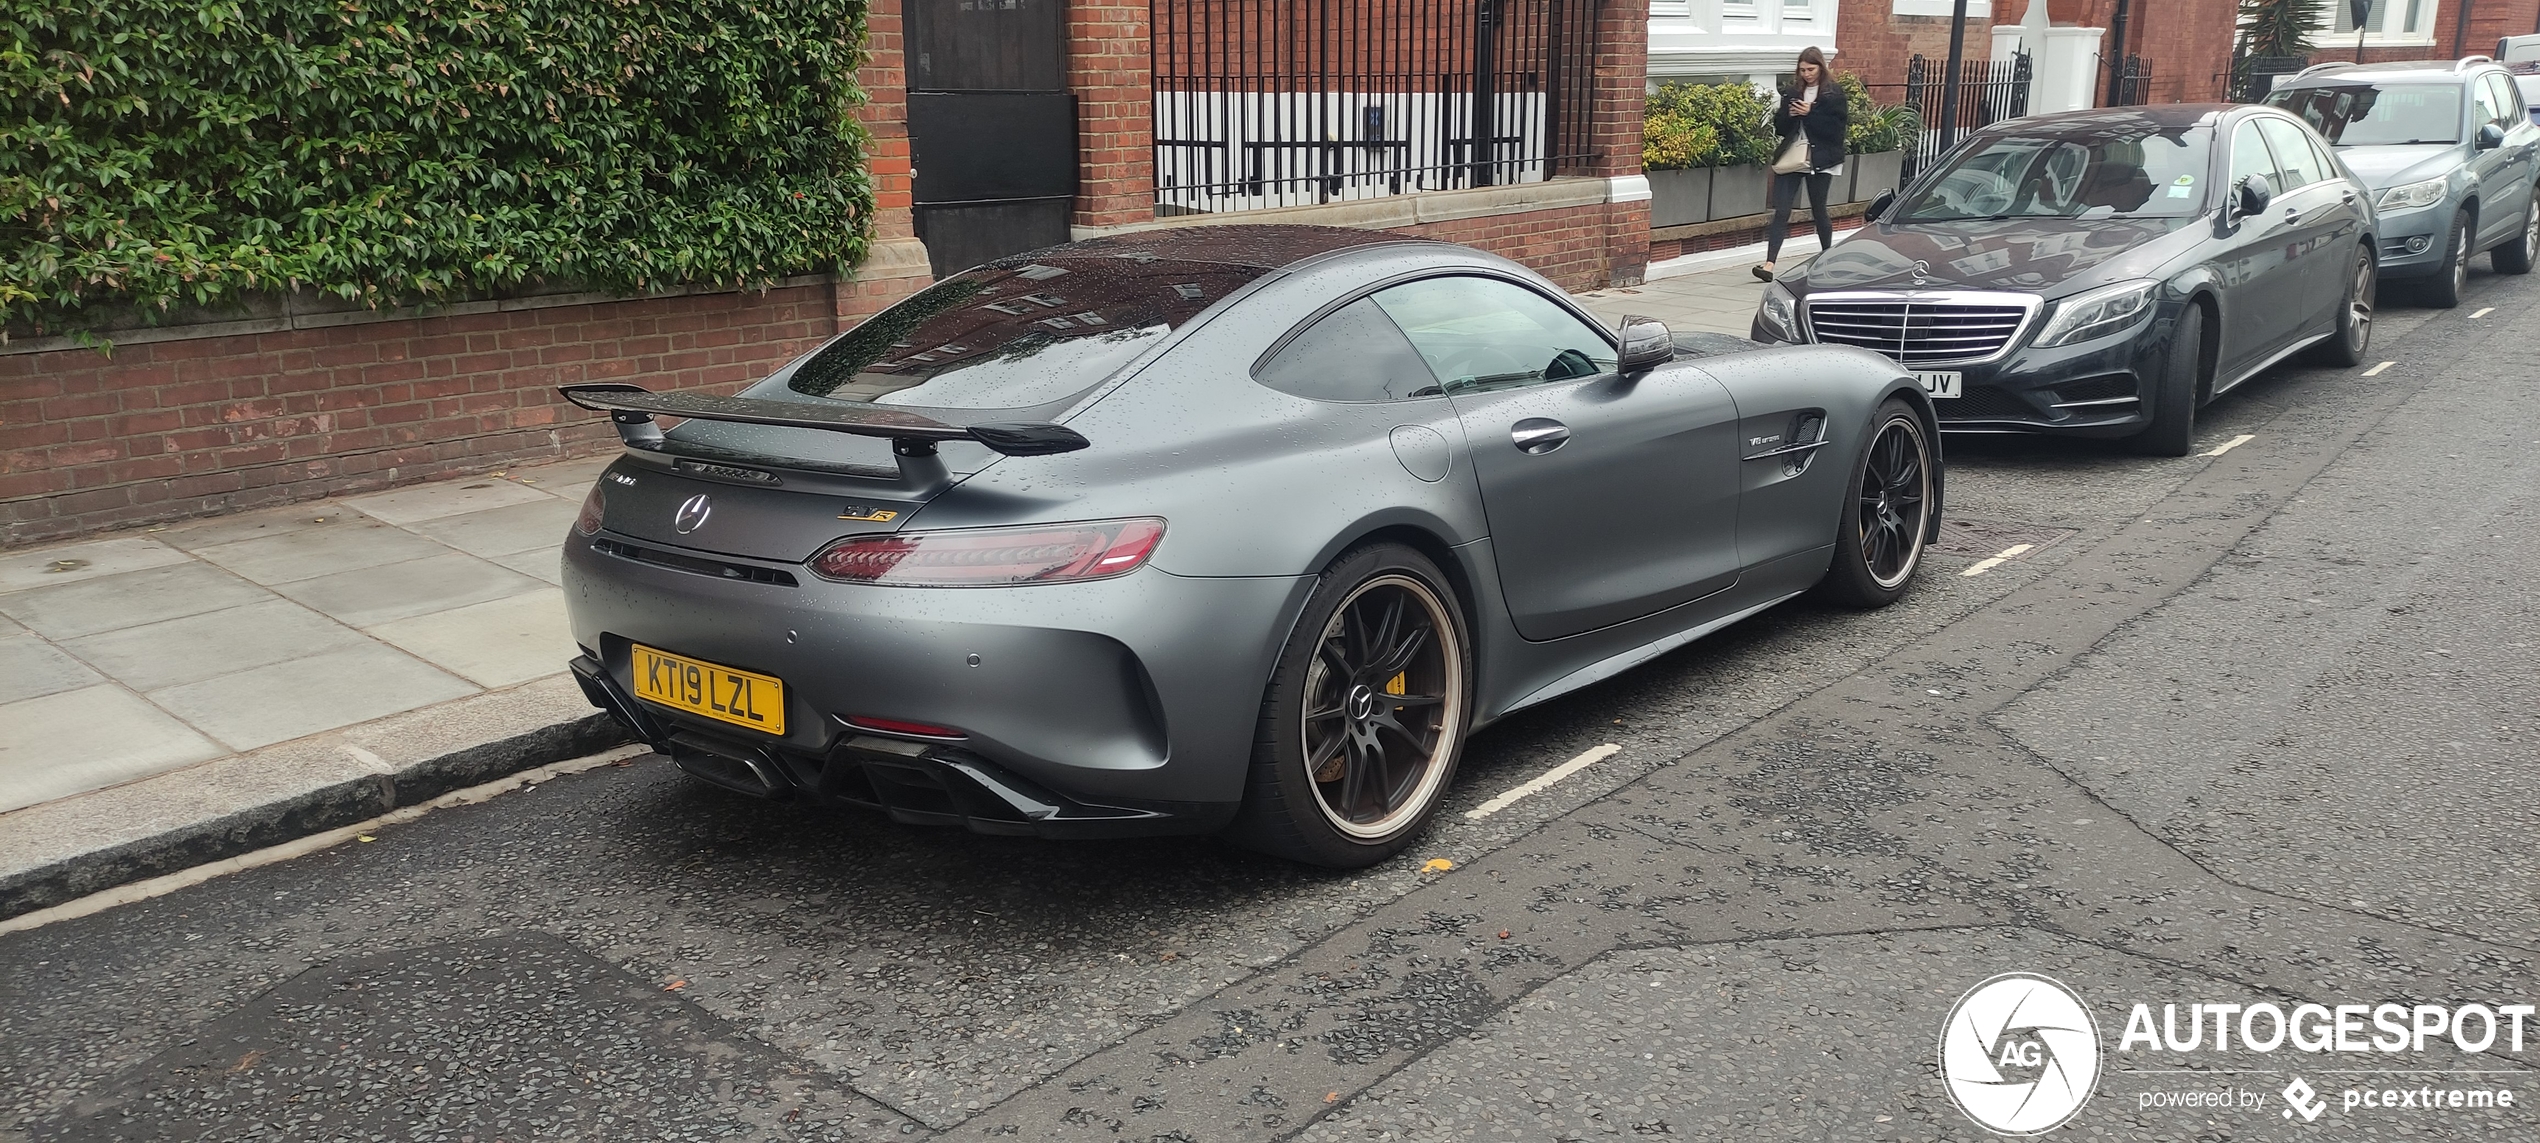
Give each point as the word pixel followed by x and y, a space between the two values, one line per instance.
pixel 2173 428
pixel 2446 289
pixel 1886 512
pixel 2515 256
pixel 1365 716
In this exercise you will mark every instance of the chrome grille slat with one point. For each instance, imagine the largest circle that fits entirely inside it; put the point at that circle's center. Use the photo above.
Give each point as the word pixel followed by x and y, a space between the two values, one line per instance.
pixel 1922 327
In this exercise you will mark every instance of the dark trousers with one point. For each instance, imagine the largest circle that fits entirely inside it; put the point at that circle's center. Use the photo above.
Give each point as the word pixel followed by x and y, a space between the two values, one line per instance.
pixel 1785 195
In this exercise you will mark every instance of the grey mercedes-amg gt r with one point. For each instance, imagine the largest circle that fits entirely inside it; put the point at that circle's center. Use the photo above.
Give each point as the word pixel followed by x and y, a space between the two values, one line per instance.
pixel 1233 528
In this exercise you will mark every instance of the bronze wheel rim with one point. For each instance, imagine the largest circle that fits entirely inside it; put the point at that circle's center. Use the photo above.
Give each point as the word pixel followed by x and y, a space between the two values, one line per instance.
pixel 1895 501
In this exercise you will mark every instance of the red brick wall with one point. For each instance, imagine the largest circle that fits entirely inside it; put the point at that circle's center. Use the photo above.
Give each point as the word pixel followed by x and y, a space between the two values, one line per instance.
pixel 2186 42
pixel 167 430
pixel 1107 68
pixel 1874 43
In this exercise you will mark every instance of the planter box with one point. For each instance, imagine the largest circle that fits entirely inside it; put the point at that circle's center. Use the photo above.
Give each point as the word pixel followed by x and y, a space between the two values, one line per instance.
pixel 1679 197
pixel 1737 191
pixel 1874 173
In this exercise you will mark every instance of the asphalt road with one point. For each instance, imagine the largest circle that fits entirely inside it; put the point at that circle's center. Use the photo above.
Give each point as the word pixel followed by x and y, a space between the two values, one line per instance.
pixel 2240 728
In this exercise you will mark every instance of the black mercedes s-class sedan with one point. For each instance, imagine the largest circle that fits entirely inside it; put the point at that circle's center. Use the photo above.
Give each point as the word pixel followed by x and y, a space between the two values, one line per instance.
pixel 2100 273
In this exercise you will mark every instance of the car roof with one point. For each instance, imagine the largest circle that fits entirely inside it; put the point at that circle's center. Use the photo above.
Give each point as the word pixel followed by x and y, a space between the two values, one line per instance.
pixel 2159 116
pixel 1264 247
pixel 2414 71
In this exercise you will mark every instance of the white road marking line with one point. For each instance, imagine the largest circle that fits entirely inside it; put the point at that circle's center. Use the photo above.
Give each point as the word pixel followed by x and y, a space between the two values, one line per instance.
pixel 1996 560
pixel 2231 444
pixel 160 886
pixel 1544 782
pixel 2375 371
pixel 2482 313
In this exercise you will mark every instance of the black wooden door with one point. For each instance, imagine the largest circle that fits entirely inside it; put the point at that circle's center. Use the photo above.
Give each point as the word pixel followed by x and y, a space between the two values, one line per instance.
pixel 992 128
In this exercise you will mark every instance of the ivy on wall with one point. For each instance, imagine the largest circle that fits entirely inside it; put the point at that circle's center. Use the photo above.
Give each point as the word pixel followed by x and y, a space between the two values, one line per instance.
pixel 160 152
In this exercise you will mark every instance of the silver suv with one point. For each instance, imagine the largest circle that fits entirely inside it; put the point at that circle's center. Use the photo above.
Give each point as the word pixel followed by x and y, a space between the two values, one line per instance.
pixel 2449 152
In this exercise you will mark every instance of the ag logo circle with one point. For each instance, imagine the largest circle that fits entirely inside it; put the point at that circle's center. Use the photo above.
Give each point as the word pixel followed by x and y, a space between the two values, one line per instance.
pixel 2020 1054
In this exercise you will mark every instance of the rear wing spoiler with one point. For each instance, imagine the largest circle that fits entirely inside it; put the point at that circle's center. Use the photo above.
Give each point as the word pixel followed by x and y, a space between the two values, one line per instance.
pixel 913 438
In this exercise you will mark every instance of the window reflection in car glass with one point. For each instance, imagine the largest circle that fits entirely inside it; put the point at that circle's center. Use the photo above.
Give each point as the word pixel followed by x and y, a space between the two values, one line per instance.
pixel 2293 157
pixel 1355 353
pixel 2373 115
pixel 1482 333
pixel 2124 170
pixel 1010 335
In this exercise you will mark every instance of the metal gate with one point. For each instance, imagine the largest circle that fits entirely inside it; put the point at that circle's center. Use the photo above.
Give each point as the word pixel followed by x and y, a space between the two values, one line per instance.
pixel 1989 91
pixel 1262 103
pixel 991 127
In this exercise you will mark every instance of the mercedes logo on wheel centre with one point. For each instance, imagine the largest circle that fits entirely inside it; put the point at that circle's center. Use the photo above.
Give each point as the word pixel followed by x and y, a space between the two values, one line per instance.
pixel 692 514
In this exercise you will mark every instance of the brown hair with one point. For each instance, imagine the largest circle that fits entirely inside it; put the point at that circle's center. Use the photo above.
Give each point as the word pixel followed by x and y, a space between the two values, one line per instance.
pixel 1825 71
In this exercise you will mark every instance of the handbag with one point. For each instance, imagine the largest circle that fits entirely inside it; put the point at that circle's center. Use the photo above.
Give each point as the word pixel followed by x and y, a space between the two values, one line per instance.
pixel 1794 157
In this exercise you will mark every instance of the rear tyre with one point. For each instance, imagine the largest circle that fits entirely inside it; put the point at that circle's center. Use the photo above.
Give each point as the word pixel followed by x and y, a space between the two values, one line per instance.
pixel 2445 290
pixel 1365 716
pixel 2515 256
pixel 1886 512
pixel 2173 427
pixel 2352 333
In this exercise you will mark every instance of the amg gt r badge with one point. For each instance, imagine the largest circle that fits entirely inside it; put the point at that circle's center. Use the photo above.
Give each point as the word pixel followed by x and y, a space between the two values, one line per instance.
pixel 868 512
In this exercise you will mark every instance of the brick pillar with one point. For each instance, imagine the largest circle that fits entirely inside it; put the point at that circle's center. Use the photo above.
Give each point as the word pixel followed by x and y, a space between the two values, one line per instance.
pixel 895 266
pixel 1622 76
pixel 1111 72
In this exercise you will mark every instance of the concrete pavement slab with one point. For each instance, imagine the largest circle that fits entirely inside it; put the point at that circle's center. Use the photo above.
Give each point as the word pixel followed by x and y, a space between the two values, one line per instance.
pixel 173 652
pixel 492 644
pixel 29 667
pixel 83 739
pixel 128 600
pixel 254 524
pixel 73 563
pixel 508 530
pixel 379 595
pixel 348 541
pixel 308 694
pixel 443 498
pixel 544 563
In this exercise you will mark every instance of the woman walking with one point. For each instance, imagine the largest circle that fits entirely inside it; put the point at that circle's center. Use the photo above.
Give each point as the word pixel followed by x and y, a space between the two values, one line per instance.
pixel 1813 117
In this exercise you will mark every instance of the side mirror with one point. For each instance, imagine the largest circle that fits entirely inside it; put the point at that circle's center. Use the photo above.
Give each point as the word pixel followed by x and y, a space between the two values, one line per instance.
pixel 1646 343
pixel 2489 137
pixel 2252 196
pixel 1878 207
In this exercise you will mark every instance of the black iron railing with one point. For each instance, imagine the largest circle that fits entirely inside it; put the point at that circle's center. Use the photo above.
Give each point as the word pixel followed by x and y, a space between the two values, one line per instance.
pixel 2133 82
pixel 1989 91
pixel 1262 103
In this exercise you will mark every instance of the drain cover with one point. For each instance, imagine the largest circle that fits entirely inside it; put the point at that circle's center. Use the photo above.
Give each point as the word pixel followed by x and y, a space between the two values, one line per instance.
pixel 1977 539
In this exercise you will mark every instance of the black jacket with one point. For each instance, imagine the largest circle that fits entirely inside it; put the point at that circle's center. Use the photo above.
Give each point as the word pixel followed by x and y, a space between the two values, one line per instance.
pixel 1827 122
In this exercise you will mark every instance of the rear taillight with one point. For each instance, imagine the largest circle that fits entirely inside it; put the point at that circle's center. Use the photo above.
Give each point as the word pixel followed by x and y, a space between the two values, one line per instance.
pixel 594 506
pixel 993 557
pixel 897 726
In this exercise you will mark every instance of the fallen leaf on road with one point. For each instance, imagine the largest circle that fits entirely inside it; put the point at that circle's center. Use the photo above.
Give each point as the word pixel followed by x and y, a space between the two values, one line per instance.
pixel 674 986
pixel 1436 865
pixel 246 1061
pixel 364 837
pixel 1332 1097
pixel 1503 934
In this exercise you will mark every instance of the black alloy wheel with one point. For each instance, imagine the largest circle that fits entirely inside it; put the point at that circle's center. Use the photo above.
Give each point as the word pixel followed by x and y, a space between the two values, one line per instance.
pixel 2351 333
pixel 2447 288
pixel 2172 429
pixel 2516 257
pixel 1887 516
pixel 1365 715
pixel 1378 710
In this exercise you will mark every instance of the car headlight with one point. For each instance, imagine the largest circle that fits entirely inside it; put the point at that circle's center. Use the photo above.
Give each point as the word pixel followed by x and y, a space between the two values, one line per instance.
pixel 2412 195
pixel 1779 313
pixel 2097 313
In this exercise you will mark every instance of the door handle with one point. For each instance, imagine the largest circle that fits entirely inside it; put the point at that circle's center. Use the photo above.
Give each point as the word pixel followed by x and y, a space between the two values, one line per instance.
pixel 1538 435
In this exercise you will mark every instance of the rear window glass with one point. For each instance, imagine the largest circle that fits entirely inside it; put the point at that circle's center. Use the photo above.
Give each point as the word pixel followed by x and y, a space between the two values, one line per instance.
pixel 1017 334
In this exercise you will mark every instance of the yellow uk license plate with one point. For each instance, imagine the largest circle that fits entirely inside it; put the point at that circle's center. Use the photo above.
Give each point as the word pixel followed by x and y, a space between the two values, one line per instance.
pixel 742 698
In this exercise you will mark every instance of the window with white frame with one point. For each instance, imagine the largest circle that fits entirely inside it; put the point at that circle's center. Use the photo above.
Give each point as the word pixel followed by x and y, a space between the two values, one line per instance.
pixel 2386 22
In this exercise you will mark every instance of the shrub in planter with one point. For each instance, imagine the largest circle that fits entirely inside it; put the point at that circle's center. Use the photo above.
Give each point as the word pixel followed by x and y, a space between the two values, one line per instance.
pixel 1711 125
